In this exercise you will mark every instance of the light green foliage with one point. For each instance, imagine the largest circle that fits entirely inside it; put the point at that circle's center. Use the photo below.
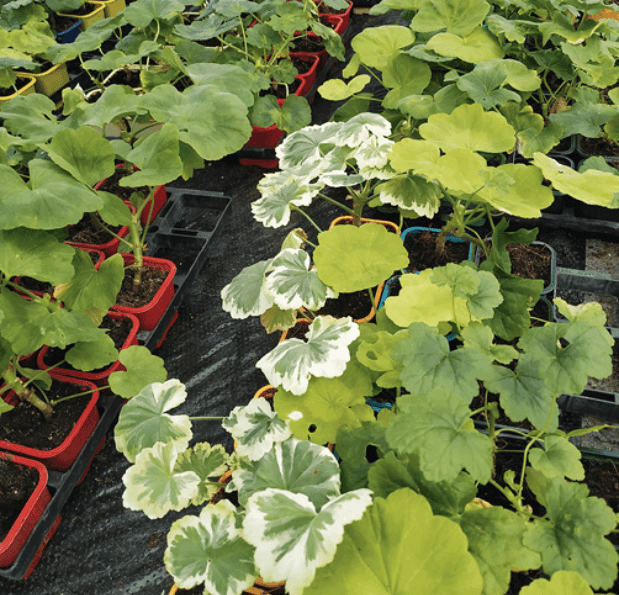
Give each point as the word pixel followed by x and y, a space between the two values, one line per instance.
pixel 477 47
pixel 145 420
pixel 404 76
pixel 558 458
pixel 92 355
pixel 469 127
pixel 376 46
pixel 229 77
pixel 375 354
pixel 350 258
pixel 437 428
pixel 326 405
pixel 571 536
pixel 324 354
pixel 310 538
pixel 459 17
pixel 297 466
pixel 255 429
pixel 276 319
pixel 564 582
pixel 291 116
pixel 480 337
pixel 495 537
pixel 209 549
pixel 337 89
pixel 395 535
pixel 142 14
pixel 592 187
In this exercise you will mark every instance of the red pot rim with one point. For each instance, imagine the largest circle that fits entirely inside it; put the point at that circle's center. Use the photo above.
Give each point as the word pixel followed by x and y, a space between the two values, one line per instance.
pixel 45 455
pixel 30 513
pixel 132 339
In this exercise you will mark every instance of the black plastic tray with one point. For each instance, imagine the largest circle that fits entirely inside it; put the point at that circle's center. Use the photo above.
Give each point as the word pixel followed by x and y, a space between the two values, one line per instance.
pixel 187 227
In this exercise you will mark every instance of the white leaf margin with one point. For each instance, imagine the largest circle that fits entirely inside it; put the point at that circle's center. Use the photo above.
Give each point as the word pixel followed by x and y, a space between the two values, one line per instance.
pixel 283 555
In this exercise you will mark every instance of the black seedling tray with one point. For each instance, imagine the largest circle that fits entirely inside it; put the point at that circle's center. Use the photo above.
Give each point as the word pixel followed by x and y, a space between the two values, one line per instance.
pixel 184 231
pixel 61 485
pixel 186 228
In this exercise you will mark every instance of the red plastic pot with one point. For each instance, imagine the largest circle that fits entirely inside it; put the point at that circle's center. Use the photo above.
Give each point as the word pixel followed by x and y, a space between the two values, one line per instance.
pixel 340 21
pixel 108 248
pixel 63 456
pixel 97 377
pixel 157 201
pixel 14 541
pixel 150 314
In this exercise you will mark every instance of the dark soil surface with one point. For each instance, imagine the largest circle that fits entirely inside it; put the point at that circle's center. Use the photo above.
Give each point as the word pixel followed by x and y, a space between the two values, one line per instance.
pixel 25 425
pixel 60 23
pixel 19 84
pixel 530 261
pixel 88 231
pixel 422 251
pixel 598 146
pixel 136 296
pixel 356 304
pixel 112 186
pixel 17 484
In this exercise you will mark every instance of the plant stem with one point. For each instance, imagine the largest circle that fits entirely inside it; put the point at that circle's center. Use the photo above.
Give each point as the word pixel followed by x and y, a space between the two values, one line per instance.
pixel 207 418
pixel 335 202
pixel 295 208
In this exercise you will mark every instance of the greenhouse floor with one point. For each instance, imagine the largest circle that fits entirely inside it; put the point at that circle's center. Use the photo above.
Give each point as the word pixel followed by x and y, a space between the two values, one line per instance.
pixel 101 548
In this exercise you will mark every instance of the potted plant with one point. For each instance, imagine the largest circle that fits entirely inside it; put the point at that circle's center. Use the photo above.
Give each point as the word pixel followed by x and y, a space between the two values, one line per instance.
pixel 428 461
pixel 85 10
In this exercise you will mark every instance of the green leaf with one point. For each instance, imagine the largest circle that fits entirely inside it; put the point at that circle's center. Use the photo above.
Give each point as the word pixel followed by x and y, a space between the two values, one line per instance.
pixel 569 353
pixel 297 466
pixel 447 498
pixel 142 368
pixel 305 145
pixel 157 157
pixel 205 461
pixel 337 89
pixel 255 429
pixel 352 448
pixel 209 549
pixel 31 116
pixel 586 119
pixel 37 254
pixel 376 46
pixel 294 284
pixel 142 13
pixel 480 337
pixel 227 77
pixel 395 535
pixel 512 30
pixel 214 123
pixel 558 458
pixel 327 405
pixel 84 153
pixel 590 311
pixel 564 582
pixel 350 258
pixel 53 199
pixel 375 354
pixel 276 319
pixel 152 484
pixel 592 187
pixel 438 429
pixel 92 355
pixel 572 535
pixel 292 538
pixel 477 47
pixel 114 210
pixel 246 295
pixel 524 393
pixel 144 420
pixel 405 76
pixel 459 17
pixel 495 540
pixel 92 290
pixel 469 127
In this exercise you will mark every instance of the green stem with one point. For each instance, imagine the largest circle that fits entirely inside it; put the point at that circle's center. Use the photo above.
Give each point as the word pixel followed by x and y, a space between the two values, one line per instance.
pixel 86 392
pixel 207 418
pixel 295 208
pixel 335 202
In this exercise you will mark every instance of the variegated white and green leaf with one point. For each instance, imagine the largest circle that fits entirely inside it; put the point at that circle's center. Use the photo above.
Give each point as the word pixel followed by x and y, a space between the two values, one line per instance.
pixel 255 428
pixel 358 130
pixel 246 295
pixel 144 420
pixel 209 549
pixel 206 462
pixel 305 145
pixel 373 158
pixel 292 538
pixel 294 284
pixel 154 486
pixel 325 354
pixel 297 466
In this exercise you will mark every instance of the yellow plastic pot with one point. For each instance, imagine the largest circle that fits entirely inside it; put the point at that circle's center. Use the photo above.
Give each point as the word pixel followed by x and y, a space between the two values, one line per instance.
pixel 25 90
pixel 51 80
pixel 113 7
pixel 97 14
pixel 607 13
